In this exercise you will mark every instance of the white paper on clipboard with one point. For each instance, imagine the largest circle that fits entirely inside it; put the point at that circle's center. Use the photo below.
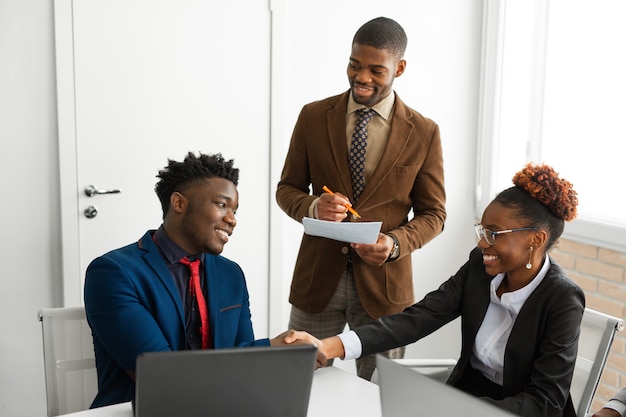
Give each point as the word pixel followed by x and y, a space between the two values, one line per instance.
pixel 351 232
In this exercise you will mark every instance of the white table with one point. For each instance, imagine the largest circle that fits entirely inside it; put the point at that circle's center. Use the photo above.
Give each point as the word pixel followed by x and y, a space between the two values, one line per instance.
pixel 335 392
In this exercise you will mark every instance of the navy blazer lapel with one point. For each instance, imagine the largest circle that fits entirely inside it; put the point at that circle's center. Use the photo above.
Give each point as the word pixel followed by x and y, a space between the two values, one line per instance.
pixel 154 260
pixel 212 291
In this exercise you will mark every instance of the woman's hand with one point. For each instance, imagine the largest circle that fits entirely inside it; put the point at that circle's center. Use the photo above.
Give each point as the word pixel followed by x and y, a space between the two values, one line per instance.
pixel 329 348
pixel 292 337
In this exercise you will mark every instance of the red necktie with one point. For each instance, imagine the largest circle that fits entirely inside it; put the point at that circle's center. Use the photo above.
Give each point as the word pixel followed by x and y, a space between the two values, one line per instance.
pixel 196 292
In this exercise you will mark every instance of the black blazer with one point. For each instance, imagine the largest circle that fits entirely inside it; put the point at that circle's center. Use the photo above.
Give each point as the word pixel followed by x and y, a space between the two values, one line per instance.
pixel 541 351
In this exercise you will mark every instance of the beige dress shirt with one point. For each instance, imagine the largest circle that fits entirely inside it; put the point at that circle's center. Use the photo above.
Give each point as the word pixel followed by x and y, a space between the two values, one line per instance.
pixel 377 134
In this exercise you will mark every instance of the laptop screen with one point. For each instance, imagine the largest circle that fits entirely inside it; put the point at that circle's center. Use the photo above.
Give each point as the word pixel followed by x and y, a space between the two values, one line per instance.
pixel 238 382
pixel 405 392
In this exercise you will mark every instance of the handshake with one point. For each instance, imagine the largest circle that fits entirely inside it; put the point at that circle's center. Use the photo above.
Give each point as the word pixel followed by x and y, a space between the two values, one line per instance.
pixel 328 348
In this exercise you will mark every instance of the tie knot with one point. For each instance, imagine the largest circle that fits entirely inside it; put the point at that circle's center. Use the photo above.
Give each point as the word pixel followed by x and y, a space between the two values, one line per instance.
pixel 194 265
pixel 365 114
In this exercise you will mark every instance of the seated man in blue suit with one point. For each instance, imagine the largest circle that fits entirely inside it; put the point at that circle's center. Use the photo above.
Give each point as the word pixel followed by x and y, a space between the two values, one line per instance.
pixel 143 297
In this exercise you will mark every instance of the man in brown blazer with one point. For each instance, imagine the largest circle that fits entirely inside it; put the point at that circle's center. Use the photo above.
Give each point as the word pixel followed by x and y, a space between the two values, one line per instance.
pixel 334 282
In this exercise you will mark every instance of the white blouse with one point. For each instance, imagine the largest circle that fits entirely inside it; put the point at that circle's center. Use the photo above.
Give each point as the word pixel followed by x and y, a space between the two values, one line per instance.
pixel 493 335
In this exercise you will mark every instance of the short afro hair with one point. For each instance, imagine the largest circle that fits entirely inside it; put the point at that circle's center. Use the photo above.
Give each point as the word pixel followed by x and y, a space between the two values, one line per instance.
pixel 177 176
pixel 383 33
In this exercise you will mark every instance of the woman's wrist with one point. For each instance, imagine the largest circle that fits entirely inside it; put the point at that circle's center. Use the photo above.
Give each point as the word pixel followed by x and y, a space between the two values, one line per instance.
pixel 333 347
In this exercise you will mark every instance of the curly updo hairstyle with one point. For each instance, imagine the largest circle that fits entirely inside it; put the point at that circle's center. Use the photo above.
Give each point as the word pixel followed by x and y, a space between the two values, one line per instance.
pixel 177 176
pixel 541 198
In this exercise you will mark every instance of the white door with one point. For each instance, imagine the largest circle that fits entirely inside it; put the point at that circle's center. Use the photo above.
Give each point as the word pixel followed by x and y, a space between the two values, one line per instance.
pixel 141 81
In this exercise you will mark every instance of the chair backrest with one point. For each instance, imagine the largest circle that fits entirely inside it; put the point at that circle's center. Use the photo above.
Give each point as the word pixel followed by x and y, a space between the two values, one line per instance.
pixel 70 367
pixel 596 337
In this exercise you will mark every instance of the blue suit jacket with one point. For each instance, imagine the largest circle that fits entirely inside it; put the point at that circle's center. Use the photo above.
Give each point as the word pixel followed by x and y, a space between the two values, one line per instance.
pixel 133 306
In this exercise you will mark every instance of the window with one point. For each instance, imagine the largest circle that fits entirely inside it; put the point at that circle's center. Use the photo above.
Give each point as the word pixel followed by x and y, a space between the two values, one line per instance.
pixel 554 91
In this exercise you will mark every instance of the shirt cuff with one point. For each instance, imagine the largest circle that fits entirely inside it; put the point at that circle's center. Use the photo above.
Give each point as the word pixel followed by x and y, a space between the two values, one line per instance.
pixel 616 405
pixel 351 345
pixel 313 209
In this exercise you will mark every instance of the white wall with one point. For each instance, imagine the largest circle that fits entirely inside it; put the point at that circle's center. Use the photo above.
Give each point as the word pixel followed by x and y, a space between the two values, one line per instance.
pixel 29 212
pixel 311 48
pixel 442 82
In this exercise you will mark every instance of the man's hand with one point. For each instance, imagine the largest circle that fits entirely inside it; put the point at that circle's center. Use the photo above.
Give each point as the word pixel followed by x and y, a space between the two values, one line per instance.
pixel 607 412
pixel 302 338
pixel 328 348
pixel 292 337
pixel 331 207
pixel 375 254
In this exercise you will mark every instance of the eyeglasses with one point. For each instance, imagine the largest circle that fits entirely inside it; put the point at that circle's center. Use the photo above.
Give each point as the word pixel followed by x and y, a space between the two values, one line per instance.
pixel 490 235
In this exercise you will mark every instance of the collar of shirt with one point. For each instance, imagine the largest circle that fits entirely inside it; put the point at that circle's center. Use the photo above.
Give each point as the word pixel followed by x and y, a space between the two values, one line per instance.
pixel 493 334
pixel 378 130
pixel 514 301
pixel 171 252
pixel 383 108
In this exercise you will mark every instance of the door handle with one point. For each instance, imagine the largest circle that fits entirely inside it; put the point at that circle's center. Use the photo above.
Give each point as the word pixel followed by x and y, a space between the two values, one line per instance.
pixel 90 191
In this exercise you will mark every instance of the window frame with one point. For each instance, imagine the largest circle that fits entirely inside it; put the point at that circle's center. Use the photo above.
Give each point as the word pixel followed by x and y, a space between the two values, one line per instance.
pixel 494 160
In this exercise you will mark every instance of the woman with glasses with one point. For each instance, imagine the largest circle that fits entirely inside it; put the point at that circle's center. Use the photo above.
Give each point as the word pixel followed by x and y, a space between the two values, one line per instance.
pixel 520 314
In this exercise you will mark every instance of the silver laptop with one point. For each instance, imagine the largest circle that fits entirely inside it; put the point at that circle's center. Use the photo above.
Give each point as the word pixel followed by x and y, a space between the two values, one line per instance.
pixel 238 382
pixel 405 392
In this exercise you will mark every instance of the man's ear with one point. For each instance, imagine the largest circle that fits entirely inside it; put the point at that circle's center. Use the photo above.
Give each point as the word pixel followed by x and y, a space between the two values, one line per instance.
pixel 177 202
pixel 400 67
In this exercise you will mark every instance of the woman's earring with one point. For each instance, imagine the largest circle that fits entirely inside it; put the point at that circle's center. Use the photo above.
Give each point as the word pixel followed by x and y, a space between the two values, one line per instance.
pixel 529 265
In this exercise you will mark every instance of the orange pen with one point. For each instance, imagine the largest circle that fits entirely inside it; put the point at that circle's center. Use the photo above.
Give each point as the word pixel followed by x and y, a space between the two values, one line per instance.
pixel 350 209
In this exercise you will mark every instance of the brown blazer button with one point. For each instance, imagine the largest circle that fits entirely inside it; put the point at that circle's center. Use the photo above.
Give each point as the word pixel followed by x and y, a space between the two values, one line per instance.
pixel 344 250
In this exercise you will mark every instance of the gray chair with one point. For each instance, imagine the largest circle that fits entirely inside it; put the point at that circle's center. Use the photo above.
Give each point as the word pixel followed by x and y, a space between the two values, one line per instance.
pixel 70 367
pixel 597 331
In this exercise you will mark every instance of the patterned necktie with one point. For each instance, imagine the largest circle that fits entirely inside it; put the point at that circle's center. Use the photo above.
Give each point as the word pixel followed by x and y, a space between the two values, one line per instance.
pixel 196 293
pixel 358 146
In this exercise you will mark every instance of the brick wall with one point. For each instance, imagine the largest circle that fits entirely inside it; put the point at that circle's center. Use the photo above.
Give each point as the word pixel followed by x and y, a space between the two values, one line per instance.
pixel 601 273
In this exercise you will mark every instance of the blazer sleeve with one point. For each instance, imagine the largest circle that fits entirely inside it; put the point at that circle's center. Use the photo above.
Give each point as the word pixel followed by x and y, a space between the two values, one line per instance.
pixel 293 194
pixel 118 318
pixel 436 309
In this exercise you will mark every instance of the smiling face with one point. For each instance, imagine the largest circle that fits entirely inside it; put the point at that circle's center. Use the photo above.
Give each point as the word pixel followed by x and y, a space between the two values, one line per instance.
pixel 371 72
pixel 511 251
pixel 203 216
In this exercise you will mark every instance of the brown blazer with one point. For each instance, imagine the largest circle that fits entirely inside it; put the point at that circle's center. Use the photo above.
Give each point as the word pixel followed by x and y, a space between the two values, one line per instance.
pixel 409 177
